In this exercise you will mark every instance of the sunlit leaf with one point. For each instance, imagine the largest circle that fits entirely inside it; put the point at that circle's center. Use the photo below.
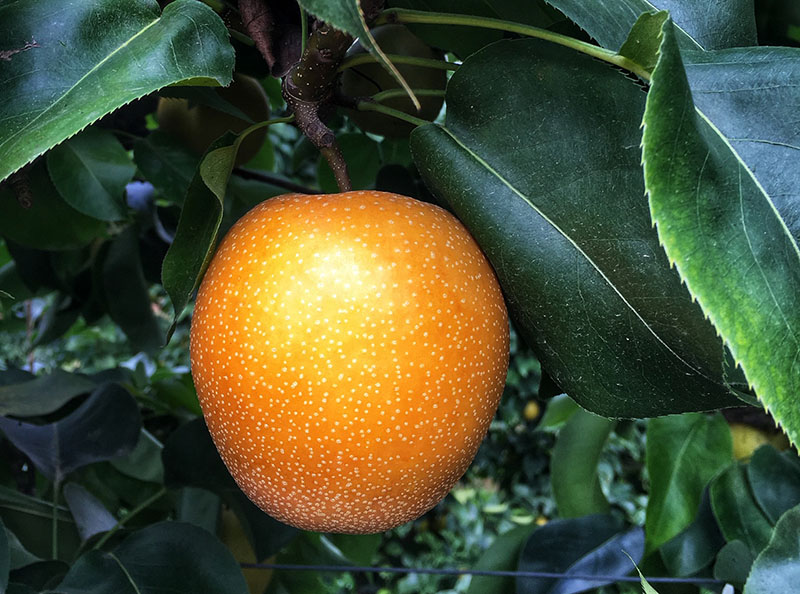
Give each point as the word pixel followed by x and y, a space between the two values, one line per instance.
pixel 91 57
pixel 725 237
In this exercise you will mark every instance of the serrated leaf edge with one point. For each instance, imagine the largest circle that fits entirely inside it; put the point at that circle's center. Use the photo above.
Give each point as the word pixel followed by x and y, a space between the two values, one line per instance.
pixel 675 264
pixel 78 131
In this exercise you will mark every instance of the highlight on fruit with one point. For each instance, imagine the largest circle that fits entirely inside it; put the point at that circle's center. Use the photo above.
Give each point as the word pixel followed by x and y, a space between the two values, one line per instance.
pixel 349 352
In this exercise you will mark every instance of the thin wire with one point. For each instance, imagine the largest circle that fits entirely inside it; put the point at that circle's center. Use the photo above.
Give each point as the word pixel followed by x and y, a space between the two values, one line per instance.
pixel 480 572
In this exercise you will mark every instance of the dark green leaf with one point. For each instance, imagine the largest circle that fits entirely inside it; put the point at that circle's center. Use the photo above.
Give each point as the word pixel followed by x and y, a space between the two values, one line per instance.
pixel 40 575
pixel 5 558
pixel 609 319
pixel 164 557
pixel 776 568
pixel 725 237
pixel 91 516
pixel 166 164
pixel 126 293
pixel 573 466
pixel 106 425
pixel 144 462
pixel 707 25
pixel 733 563
pixel 49 223
pixel 775 481
pixel 559 410
pixel 309 548
pixel 43 394
pixel 178 392
pixel 19 556
pixel 502 555
pixel 683 453
pixel 750 95
pixel 358 548
pixel 363 156
pixel 592 545
pixel 90 171
pixel 196 235
pixel 92 57
pixel 191 460
pixel 737 512
pixel 31 520
pixel 696 546
pixel 199 507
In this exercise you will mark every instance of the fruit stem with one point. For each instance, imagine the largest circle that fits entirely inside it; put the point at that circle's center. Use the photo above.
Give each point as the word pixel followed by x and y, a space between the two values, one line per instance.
pixel 359 59
pixel 408 16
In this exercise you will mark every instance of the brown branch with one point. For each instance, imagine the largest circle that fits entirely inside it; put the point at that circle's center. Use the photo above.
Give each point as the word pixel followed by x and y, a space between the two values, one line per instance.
pixel 308 89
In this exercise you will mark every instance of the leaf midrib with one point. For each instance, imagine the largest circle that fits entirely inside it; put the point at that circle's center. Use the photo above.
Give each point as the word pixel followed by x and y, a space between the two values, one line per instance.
pixel 77 83
pixel 566 236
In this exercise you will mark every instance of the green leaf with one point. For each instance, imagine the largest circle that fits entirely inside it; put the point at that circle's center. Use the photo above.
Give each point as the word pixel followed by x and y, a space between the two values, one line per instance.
pixel 642 42
pixel 43 394
pixel 733 563
pixel 5 558
pixel 751 96
pixel 705 25
pixel 683 454
pixel 90 171
pixel 696 546
pixel 725 237
pixel 164 557
pixel 360 549
pixel 31 519
pixel 609 319
pixel 502 555
pixel 166 163
pixel 193 246
pixel 19 556
pixel 191 460
pixel 126 292
pixel 573 466
pixel 144 461
pixel 48 222
pixel 91 516
pixel 92 57
pixel 737 513
pixel 592 545
pixel 558 411
pixel 776 568
pixel 38 576
pixel 775 481
pixel 106 425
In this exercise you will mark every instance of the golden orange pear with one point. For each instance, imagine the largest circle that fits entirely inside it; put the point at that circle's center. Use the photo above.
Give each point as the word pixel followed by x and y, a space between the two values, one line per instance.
pixel 198 126
pixel 349 351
